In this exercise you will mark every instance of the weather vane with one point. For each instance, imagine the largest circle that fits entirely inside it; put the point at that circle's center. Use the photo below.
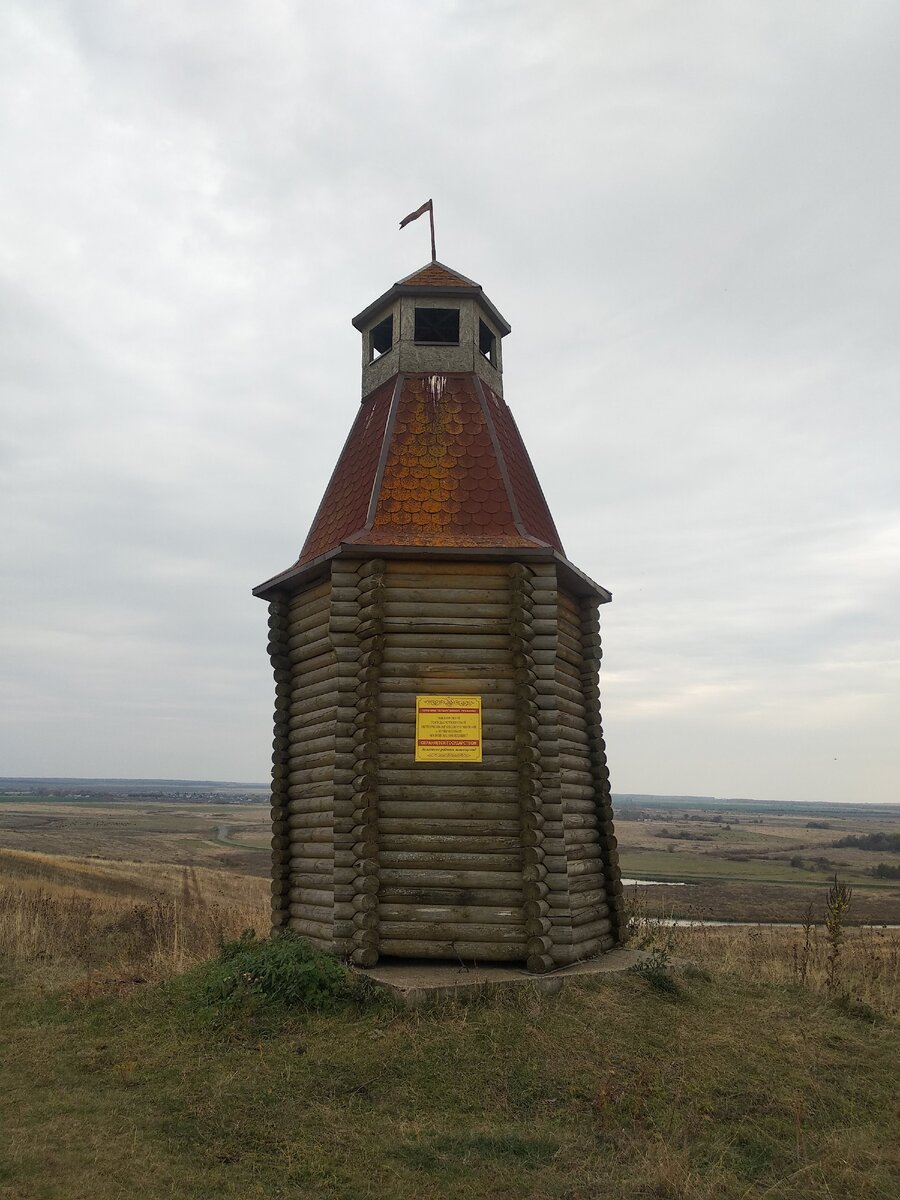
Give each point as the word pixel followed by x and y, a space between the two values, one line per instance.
pixel 429 208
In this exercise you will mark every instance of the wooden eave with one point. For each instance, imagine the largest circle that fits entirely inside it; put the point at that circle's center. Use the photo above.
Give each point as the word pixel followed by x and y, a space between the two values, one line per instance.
pixel 476 292
pixel 297 577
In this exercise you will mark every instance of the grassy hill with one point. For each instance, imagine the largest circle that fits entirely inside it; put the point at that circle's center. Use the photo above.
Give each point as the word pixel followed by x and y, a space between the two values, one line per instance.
pixel 115 1087
pixel 769 1071
pixel 729 1090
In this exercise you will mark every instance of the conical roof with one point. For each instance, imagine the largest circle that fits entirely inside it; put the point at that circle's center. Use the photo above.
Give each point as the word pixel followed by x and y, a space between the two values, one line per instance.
pixel 434 465
pixel 437 461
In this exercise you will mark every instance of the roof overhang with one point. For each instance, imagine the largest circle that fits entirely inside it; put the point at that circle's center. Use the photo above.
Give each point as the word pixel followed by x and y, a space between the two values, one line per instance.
pixel 476 292
pixel 297 577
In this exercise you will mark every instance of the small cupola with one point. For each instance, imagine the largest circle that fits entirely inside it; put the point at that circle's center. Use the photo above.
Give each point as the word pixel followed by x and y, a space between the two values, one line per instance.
pixel 434 321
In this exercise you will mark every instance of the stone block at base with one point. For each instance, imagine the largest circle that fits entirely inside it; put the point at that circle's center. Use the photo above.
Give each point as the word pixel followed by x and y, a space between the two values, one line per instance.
pixel 416 982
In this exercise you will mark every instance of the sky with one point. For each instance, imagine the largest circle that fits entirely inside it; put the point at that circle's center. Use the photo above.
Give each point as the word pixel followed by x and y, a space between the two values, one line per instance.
pixel 687 212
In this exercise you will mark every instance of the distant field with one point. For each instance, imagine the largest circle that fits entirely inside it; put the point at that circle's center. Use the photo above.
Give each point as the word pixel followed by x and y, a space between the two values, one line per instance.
pixel 738 861
pixel 225 836
pixel 683 865
pixel 741 864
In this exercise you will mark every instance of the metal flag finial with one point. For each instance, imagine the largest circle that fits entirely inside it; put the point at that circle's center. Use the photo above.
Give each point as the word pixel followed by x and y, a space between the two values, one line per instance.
pixel 427 207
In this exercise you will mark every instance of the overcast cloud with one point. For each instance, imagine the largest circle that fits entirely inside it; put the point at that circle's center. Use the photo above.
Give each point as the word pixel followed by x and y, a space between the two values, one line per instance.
pixel 688 213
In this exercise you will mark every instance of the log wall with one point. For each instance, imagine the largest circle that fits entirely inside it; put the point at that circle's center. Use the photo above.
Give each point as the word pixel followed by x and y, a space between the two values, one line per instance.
pixel 311 764
pixel 281 668
pixel 375 854
pixel 588 927
pixel 589 611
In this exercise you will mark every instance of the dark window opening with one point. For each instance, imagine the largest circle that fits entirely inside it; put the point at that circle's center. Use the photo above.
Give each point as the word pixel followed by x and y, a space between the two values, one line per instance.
pixel 438 325
pixel 487 343
pixel 381 338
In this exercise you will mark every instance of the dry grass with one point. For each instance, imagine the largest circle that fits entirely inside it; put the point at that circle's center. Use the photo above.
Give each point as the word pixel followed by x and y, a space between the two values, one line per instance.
pixel 69 874
pixel 868 970
pixel 154 920
pixel 865 970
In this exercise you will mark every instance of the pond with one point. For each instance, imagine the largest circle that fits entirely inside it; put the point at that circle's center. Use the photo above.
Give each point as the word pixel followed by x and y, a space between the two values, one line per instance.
pixel 652 883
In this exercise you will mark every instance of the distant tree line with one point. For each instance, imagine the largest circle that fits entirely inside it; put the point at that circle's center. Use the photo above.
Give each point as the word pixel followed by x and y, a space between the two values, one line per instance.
pixel 811 864
pixel 685 835
pixel 871 841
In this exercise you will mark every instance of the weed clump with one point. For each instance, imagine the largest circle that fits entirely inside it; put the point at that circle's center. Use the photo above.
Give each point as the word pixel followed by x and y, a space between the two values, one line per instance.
pixel 283 973
pixel 837 903
pixel 656 969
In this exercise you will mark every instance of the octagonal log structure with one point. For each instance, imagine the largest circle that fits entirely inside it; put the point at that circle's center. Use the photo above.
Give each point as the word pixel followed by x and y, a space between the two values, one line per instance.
pixel 433 567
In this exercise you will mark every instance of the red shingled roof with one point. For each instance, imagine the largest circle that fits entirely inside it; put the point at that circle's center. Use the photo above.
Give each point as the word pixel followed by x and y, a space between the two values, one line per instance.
pixel 435 274
pixel 432 460
pixel 345 505
pixel 533 508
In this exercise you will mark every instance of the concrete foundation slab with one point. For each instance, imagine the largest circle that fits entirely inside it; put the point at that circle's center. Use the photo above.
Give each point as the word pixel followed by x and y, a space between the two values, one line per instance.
pixel 416 982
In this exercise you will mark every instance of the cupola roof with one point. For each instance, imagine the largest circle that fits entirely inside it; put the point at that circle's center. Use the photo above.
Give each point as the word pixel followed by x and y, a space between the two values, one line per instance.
pixel 434 279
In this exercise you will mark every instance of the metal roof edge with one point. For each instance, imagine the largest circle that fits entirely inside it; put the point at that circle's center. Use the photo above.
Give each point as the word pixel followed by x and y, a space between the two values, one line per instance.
pixel 296 575
pixel 581 583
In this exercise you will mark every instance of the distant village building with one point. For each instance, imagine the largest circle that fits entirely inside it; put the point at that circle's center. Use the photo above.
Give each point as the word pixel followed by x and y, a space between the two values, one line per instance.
pixel 439 787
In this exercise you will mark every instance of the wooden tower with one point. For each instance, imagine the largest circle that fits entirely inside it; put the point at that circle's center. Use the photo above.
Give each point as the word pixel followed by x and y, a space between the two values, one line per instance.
pixel 439 787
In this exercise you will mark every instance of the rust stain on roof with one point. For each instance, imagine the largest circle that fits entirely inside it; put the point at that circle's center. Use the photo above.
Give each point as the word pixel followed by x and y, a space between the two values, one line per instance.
pixel 455 473
pixel 441 482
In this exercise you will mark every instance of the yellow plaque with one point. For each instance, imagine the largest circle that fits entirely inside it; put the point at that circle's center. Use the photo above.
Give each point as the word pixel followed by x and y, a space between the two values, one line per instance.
pixel 448 729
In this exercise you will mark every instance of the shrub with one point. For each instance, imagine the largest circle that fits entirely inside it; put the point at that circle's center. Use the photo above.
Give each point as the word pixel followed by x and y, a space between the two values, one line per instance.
pixel 284 971
pixel 871 841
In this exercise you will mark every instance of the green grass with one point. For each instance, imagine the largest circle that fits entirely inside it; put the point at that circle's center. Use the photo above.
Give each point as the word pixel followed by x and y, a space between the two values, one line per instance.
pixel 684 865
pixel 612 1088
